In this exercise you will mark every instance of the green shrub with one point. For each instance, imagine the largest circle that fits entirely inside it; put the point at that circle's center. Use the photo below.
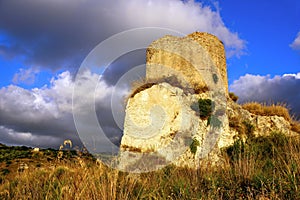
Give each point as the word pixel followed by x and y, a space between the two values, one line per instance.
pixel 249 128
pixel 204 107
pixel 194 145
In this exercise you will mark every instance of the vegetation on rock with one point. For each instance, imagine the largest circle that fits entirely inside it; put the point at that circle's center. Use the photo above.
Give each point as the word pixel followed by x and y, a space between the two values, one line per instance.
pixel 194 145
pixel 233 96
pixel 204 107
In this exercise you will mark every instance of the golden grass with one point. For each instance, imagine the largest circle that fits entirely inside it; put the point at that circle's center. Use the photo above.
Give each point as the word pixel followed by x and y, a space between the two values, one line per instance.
pixel 271 110
pixel 295 126
pixel 143 84
pixel 280 110
pixel 267 167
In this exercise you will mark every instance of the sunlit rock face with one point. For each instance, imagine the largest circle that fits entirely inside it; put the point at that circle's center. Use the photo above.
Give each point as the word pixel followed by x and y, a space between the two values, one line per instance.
pixel 187 59
pixel 161 123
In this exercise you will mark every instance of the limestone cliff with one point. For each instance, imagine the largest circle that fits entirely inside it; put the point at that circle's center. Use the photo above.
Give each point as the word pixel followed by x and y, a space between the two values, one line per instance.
pixel 163 125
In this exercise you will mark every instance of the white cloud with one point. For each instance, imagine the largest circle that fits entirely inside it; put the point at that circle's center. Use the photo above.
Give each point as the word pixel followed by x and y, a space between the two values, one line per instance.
pixel 296 43
pixel 267 89
pixel 33 116
pixel 26 76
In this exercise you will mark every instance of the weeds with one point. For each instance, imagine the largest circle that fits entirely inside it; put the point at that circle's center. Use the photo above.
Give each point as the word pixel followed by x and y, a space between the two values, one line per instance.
pixel 194 145
pixel 233 96
pixel 262 167
pixel 265 110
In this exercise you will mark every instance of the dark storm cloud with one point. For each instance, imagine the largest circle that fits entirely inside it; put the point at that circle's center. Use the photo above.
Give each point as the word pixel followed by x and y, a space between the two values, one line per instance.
pixel 284 89
pixel 59 34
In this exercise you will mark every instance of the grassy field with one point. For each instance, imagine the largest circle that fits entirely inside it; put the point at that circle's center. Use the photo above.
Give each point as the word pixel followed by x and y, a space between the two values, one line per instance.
pixel 259 168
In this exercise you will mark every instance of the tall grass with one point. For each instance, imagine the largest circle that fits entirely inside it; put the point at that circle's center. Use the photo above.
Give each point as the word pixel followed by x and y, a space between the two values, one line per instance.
pixel 258 168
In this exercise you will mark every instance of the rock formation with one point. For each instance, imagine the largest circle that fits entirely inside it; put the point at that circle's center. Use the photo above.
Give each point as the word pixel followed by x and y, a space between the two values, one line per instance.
pixel 162 124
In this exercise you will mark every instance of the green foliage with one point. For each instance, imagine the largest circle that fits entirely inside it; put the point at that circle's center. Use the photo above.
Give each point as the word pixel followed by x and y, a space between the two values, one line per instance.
pixel 204 107
pixel 194 145
pixel 234 151
pixel 10 153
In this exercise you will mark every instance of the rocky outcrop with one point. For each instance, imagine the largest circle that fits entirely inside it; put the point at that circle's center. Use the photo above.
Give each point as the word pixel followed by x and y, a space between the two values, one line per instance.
pixel 162 124
pixel 261 125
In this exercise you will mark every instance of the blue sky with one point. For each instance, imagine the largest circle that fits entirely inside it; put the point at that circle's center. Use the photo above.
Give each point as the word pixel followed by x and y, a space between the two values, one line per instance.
pixel 43 43
pixel 269 27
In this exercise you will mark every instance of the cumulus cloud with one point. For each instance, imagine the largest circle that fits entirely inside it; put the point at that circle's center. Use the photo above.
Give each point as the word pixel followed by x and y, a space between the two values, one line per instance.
pixel 58 34
pixel 44 116
pixel 296 43
pixel 26 76
pixel 267 89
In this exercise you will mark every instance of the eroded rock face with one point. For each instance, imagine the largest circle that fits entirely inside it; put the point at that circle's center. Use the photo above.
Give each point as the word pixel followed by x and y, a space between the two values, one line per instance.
pixel 190 59
pixel 155 115
pixel 160 125
pixel 262 125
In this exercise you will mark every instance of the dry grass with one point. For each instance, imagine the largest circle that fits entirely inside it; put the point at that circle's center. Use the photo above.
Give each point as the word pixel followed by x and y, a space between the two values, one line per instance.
pixel 265 167
pixel 233 96
pixel 280 110
pixel 265 110
pixel 143 84
pixel 295 126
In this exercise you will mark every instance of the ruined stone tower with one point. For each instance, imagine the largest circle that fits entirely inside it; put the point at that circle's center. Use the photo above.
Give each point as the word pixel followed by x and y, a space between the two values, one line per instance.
pixel 173 56
pixel 216 50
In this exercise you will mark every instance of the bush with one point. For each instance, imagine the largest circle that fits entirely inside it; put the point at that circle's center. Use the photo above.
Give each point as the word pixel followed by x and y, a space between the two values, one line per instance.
pixel 233 96
pixel 204 107
pixel 194 145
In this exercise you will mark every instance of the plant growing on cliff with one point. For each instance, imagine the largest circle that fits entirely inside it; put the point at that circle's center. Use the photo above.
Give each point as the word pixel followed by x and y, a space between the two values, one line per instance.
pixel 233 96
pixel 194 146
pixel 249 128
pixel 204 107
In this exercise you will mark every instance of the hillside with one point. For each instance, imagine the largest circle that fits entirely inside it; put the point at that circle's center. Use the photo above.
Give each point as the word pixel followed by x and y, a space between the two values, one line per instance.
pixel 264 167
